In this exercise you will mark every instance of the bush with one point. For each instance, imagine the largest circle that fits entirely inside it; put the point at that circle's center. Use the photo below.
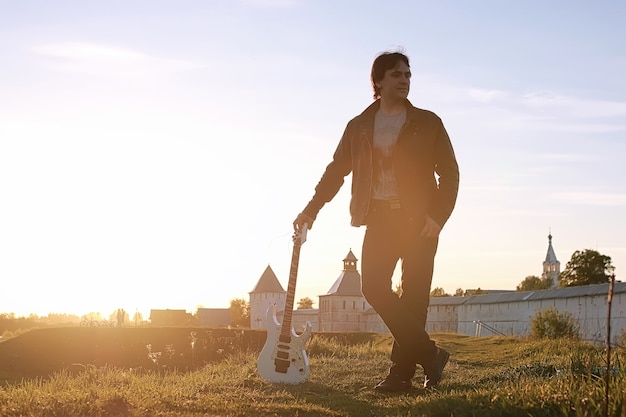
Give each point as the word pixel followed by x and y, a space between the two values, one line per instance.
pixel 551 324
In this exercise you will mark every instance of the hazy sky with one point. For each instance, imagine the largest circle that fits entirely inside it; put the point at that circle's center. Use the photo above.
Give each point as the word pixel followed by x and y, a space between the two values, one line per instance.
pixel 153 154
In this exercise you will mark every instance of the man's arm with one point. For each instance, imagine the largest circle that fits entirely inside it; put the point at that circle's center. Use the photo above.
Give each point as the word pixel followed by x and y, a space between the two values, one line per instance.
pixel 447 169
pixel 329 184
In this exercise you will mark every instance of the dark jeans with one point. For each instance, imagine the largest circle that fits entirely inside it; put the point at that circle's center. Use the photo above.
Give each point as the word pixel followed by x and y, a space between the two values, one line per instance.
pixel 392 236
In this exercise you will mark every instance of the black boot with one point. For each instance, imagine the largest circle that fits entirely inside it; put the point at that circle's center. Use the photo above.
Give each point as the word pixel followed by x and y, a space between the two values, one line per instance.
pixel 433 371
pixel 393 383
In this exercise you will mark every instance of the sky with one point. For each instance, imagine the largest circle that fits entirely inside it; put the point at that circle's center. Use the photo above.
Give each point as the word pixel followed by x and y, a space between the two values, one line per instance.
pixel 154 154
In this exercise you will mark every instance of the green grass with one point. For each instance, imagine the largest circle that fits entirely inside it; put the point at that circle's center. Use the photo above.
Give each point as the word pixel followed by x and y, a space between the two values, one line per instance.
pixel 493 376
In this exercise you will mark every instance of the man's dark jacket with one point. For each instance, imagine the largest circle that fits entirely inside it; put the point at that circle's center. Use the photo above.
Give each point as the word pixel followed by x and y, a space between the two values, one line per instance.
pixel 423 149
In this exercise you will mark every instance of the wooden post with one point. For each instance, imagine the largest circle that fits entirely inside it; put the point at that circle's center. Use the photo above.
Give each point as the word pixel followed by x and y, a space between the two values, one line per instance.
pixel 607 377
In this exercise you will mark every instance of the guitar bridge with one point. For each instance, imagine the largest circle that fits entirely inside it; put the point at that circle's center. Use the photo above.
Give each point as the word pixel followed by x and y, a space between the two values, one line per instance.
pixel 281 365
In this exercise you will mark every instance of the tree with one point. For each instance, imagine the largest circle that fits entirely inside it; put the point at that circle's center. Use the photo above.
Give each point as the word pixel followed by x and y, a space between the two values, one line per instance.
pixel 60 318
pixel 534 283
pixel 586 267
pixel 305 302
pixel 94 316
pixel 240 312
pixel 439 292
pixel 459 292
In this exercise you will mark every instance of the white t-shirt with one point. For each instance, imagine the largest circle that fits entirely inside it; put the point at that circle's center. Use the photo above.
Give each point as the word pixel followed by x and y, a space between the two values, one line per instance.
pixel 386 130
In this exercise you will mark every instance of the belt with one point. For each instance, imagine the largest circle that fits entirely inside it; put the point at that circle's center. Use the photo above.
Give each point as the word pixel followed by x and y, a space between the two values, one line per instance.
pixel 393 204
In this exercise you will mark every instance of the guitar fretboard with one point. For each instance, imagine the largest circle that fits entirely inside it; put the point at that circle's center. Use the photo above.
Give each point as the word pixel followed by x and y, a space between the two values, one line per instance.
pixel 285 331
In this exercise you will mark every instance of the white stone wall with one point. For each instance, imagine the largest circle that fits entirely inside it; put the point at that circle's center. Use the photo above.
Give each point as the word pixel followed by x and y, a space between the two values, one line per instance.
pixel 442 318
pixel 301 316
pixel 260 302
pixel 507 318
pixel 373 323
pixel 342 313
pixel 515 318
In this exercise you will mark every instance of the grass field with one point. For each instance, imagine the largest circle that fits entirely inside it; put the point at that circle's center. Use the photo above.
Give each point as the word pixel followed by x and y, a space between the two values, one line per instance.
pixel 492 376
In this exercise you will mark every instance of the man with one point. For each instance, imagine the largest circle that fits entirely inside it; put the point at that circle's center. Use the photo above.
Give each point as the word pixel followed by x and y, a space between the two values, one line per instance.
pixel 396 152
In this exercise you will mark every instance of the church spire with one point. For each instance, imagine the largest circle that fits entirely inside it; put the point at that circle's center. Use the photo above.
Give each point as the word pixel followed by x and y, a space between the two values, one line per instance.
pixel 349 262
pixel 551 266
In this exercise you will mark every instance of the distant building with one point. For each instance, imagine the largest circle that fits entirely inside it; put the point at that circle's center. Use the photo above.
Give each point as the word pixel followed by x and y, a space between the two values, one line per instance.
pixel 551 266
pixel 266 293
pixel 343 308
pixel 170 318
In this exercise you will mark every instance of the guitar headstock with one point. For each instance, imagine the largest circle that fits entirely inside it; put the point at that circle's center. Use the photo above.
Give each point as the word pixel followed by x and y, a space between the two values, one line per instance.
pixel 299 236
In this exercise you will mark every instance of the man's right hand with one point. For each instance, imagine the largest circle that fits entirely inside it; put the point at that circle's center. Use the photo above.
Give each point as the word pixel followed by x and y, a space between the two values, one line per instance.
pixel 299 222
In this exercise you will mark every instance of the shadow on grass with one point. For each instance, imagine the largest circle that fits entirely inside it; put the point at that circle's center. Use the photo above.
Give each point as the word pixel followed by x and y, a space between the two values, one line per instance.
pixel 318 399
pixel 38 353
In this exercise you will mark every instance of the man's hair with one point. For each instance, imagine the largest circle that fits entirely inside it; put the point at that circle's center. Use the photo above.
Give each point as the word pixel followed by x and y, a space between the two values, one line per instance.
pixel 382 63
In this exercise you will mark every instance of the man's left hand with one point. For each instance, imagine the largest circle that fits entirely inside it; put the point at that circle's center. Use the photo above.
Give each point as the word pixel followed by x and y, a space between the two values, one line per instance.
pixel 431 228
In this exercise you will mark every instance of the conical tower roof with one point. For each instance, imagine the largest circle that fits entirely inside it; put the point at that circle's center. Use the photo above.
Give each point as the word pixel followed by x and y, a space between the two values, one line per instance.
pixel 268 282
pixel 349 281
pixel 350 257
pixel 550 256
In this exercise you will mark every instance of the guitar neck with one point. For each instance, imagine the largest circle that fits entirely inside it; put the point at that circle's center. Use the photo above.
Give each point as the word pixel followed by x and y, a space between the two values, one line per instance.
pixel 285 331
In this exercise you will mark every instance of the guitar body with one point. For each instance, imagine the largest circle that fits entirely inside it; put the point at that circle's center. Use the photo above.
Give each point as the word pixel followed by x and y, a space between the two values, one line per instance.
pixel 280 360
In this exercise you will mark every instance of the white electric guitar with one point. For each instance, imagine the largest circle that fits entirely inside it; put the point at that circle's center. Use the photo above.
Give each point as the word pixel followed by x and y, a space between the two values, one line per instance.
pixel 283 358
